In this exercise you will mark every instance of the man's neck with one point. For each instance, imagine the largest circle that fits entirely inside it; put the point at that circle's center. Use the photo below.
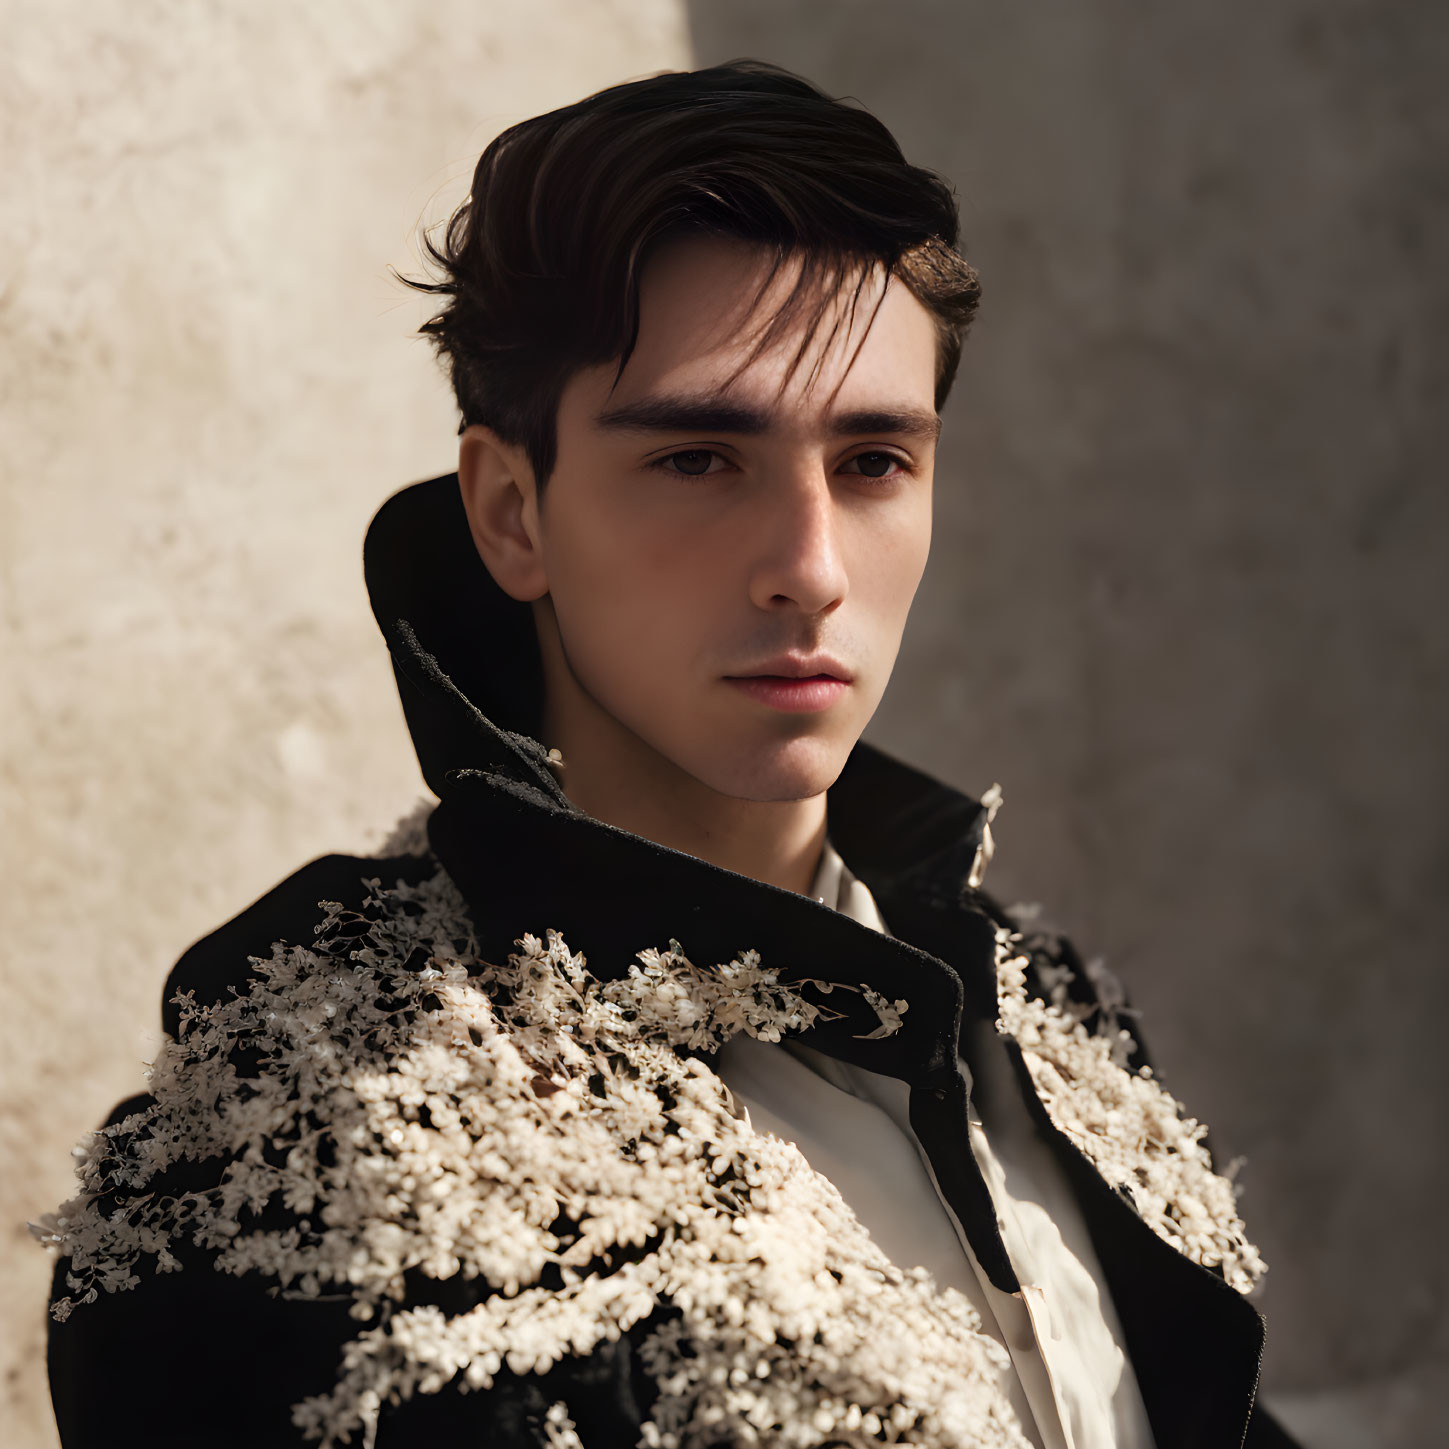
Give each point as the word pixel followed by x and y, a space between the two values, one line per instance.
pixel 778 842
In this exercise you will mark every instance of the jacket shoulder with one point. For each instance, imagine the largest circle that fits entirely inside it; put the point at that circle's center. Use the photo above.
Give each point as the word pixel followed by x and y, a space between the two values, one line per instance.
pixel 101 1358
pixel 291 911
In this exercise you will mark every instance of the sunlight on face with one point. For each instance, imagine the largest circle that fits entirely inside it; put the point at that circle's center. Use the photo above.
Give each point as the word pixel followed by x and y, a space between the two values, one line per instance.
pixel 703 537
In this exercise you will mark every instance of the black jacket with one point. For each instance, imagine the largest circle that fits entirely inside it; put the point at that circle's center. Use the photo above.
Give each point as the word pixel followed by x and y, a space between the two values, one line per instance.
pixel 199 1357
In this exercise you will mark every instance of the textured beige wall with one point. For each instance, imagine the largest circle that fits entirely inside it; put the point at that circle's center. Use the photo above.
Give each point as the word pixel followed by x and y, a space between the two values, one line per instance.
pixel 1185 602
pixel 208 385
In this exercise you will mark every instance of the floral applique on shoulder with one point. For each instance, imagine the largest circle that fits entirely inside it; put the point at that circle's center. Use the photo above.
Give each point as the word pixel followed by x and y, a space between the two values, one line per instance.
pixel 552 1140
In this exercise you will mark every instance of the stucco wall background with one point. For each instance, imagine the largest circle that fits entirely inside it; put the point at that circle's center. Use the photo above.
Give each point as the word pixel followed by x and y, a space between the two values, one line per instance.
pixel 1183 603
pixel 1188 591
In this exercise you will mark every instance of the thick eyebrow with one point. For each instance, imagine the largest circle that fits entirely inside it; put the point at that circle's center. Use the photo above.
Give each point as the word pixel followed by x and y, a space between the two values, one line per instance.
pixel 715 415
pixel 910 422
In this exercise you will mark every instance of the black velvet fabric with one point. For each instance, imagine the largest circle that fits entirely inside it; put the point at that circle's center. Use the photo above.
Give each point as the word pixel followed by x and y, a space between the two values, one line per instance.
pixel 200 1358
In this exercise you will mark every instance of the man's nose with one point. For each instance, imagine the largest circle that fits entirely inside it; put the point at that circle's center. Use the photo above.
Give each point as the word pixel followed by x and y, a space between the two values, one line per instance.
pixel 800 561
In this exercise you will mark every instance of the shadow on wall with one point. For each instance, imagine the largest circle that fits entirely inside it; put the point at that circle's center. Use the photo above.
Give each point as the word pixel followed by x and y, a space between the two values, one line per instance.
pixel 1189 506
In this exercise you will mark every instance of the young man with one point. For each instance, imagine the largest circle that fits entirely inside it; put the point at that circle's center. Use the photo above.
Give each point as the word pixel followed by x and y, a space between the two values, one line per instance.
pixel 683 1088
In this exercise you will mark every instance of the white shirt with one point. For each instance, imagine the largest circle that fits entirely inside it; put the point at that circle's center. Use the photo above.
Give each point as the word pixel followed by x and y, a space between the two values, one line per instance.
pixel 1073 1385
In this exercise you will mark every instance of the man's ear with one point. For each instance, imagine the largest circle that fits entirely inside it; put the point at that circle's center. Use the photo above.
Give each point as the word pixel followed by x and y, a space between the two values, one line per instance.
pixel 500 497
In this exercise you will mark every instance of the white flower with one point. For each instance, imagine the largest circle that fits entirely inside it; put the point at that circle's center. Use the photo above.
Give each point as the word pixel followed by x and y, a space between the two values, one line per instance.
pixel 515 1124
pixel 501 1123
pixel 1125 1123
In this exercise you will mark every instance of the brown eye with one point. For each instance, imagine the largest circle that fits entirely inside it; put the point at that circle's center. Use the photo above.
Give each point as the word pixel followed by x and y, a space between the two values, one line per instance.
pixel 695 462
pixel 876 465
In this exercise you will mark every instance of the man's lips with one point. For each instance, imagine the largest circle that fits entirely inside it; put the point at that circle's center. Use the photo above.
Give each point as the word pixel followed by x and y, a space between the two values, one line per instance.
pixel 794 683
pixel 791 694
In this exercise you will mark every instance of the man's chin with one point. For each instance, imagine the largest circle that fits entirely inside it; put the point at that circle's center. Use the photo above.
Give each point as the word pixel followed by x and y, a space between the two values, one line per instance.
pixel 777 773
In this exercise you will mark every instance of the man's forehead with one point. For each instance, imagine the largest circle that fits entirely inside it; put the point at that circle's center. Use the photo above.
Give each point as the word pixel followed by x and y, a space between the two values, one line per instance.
pixel 718 306
pixel 723 347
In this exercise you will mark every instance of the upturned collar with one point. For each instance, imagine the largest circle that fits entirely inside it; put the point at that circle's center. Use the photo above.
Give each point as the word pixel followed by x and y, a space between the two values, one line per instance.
pixel 468 671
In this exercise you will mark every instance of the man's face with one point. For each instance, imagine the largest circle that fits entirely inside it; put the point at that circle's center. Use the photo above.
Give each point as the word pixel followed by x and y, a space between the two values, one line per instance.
pixel 708 541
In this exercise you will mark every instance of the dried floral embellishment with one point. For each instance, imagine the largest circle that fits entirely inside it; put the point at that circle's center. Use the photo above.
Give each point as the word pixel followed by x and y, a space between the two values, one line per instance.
pixel 1126 1124
pixel 549 1142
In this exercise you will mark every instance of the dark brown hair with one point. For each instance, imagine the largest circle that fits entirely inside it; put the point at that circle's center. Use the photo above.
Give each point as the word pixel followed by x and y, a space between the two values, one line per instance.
pixel 541 263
